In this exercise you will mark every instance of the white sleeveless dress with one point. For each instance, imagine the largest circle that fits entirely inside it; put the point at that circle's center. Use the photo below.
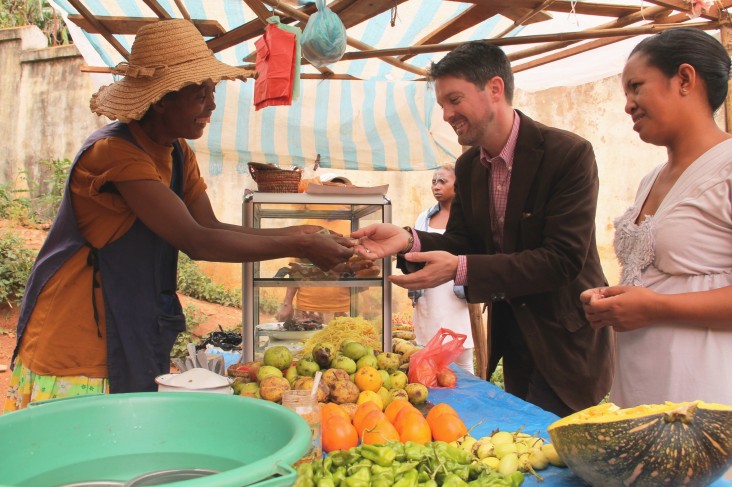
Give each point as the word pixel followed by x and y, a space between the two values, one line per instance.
pixel 439 307
pixel 686 246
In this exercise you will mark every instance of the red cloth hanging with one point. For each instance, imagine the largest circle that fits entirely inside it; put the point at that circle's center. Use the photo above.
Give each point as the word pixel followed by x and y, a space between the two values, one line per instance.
pixel 275 67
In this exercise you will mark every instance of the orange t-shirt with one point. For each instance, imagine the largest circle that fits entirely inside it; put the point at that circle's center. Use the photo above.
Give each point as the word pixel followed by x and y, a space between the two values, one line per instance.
pixel 61 337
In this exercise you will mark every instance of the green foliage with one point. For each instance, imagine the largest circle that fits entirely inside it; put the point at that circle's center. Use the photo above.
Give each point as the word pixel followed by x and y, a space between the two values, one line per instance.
pixel 52 191
pixel 194 283
pixel 269 302
pixel 497 376
pixel 40 202
pixel 16 262
pixel 16 13
pixel 193 319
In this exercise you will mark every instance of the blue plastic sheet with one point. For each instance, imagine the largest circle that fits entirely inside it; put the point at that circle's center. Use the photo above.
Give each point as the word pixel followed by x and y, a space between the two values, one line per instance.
pixel 478 401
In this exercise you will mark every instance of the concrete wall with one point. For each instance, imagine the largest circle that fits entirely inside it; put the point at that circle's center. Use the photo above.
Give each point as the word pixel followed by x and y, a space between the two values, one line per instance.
pixel 45 114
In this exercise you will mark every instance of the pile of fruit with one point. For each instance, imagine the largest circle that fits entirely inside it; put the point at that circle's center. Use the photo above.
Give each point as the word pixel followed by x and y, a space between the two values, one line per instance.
pixel 351 374
pixel 371 424
pixel 508 452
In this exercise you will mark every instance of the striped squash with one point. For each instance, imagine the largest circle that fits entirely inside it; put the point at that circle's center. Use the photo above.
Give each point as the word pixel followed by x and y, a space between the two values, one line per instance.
pixel 674 444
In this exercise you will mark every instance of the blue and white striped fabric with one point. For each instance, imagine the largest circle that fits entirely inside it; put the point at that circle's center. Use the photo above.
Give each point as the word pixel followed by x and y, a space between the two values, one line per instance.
pixel 387 122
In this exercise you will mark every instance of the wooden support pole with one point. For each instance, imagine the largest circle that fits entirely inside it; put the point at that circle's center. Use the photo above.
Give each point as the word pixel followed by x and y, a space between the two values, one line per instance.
pixel 725 33
pixel 481 340
pixel 100 28
pixel 534 39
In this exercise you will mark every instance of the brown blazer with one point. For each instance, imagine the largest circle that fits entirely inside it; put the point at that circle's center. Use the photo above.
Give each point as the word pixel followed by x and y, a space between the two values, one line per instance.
pixel 549 254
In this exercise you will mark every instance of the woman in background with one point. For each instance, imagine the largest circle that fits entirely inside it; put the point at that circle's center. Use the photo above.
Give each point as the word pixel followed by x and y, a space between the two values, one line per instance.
pixel 443 306
pixel 673 309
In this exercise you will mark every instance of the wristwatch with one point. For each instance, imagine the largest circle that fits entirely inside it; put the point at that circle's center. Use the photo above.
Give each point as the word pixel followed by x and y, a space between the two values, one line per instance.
pixel 410 243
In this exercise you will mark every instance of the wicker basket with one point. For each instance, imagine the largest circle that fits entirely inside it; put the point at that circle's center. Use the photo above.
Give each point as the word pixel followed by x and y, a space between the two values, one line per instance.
pixel 272 179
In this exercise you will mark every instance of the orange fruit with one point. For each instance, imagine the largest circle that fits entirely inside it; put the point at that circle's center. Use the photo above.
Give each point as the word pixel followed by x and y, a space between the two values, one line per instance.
pixel 403 414
pixel 413 427
pixel 439 409
pixel 393 409
pixel 367 379
pixel 330 409
pixel 338 434
pixel 380 433
pixel 369 421
pixel 447 427
pixel 362 411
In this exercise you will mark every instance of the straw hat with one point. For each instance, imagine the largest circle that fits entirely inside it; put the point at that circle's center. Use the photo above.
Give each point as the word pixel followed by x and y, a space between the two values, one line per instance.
pixel 166 56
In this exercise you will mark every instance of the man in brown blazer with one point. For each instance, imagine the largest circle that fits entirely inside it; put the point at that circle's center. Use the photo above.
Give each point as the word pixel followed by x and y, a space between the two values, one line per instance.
pixel 521 235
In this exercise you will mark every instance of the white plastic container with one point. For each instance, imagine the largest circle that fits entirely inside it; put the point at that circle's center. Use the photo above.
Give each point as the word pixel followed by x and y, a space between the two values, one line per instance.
pixel 195 380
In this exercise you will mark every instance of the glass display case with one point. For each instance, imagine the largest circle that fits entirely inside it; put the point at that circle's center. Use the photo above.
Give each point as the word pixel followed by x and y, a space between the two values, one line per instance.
pixel 357 288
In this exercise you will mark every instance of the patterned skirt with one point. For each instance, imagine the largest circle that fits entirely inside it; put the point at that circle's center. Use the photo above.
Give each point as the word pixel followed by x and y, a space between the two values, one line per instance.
pixel 26 387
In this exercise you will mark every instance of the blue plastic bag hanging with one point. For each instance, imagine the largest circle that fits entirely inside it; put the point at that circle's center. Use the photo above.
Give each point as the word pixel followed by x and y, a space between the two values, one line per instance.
pixel 324 37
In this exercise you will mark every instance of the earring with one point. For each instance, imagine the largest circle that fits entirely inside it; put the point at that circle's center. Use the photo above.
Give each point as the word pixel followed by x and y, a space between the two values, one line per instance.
pixel 683 91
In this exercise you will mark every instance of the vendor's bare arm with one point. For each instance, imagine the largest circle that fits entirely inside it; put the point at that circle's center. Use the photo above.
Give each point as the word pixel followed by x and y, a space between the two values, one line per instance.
pixel 203 213
pixel 166 215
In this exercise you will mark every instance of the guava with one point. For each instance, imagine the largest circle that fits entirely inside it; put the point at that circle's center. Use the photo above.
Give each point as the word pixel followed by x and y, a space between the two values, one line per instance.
pixel 399 380
pixel 344 363
pixel 268 371
pixel 278 356
pixel 367 361
pixel 353 350
pixel 417 393
pixel 307 367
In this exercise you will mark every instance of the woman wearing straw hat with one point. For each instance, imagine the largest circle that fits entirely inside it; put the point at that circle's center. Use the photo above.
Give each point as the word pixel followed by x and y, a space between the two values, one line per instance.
pixel 100 312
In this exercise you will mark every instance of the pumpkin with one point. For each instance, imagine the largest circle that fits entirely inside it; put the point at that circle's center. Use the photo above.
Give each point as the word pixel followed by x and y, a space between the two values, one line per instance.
pixel 673 444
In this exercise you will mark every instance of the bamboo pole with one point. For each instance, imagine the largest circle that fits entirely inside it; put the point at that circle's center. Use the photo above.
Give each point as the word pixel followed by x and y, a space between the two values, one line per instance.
pixel 512 41
pixel 481 340
pixel 726 36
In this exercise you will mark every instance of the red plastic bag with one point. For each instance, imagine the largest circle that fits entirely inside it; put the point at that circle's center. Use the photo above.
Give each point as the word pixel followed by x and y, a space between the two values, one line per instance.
pixel 439 353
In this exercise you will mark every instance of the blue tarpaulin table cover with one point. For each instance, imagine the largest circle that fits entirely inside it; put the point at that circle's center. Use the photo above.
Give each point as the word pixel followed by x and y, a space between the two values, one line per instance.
pixel 481 403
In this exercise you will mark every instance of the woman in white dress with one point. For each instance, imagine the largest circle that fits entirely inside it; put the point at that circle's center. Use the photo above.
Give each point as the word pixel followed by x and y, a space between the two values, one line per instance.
pixel 673 308
pixel 443 306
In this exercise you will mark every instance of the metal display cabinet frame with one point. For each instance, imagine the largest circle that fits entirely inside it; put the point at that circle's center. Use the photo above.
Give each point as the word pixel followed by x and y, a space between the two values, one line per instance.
pixel 356 207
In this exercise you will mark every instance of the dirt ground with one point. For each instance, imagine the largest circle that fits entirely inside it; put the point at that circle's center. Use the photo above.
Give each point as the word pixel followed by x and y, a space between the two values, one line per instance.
pixel 211 315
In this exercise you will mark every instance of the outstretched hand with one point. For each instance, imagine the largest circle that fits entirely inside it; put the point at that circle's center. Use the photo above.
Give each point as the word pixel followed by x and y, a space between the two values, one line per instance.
pixel 440 267
pixel 625 308
pixel 380 240
pixel 326 251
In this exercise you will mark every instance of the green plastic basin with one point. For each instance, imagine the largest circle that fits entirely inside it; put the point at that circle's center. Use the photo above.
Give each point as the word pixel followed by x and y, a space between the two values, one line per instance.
pixel 113 439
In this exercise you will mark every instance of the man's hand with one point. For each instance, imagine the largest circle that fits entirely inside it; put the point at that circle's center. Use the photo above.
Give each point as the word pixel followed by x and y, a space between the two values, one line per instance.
pixel 440 267
pixel 380 240
pixel 625 308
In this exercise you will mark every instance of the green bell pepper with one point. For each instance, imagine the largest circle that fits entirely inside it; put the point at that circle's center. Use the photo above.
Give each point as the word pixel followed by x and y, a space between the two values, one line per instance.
pixel 381 455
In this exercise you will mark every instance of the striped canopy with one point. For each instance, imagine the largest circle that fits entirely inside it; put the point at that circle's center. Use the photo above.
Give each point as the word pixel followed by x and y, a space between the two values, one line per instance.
pixel 376 116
